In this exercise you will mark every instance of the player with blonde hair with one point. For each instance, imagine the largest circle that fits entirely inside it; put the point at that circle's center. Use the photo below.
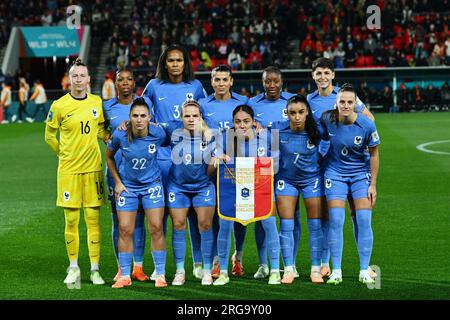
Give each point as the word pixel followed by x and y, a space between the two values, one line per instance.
pixel 78 116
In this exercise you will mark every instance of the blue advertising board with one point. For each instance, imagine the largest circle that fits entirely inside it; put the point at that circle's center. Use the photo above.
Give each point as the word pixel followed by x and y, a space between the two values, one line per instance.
pixel 44 42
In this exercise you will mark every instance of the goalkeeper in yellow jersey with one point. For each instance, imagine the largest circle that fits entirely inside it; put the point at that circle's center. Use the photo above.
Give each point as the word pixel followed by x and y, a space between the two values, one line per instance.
pixel 78 116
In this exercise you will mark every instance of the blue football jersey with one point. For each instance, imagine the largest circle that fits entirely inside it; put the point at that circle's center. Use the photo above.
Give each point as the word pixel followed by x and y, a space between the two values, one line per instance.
pixel 191 156
pixel 262 145
pixel 349 145
pixel 116 113
pixel 138 166
pixel 319 104
pixel 299 157
pixel 268 111
pixel 219 114
pixel 168 98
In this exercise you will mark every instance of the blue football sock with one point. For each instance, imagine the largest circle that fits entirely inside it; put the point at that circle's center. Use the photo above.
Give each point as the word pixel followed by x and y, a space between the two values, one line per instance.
pixel 355 228
pixel 261 242
pixel 297 234
pixel 194 236
pixel 315 240
pixel 325 247
pixel 179 247
pixel 365 239
pixel 125 259
pixel 207 238
pixel 139 238
pixel 239 236
pixel 224 243
pixel 159 260
pixel 273 241
pixel 115 235
pixel 336 235
pixel 287 241
pixel 215 228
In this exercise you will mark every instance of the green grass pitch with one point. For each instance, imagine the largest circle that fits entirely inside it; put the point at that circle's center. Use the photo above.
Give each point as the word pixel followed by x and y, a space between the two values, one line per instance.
pixel 411 227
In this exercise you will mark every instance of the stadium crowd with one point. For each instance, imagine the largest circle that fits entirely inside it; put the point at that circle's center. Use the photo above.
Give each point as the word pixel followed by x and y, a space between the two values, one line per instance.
pixel 251 35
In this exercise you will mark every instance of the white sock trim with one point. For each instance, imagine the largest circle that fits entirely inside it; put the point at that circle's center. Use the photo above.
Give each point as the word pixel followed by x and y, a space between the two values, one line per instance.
pixel 315 268
pixel 94 267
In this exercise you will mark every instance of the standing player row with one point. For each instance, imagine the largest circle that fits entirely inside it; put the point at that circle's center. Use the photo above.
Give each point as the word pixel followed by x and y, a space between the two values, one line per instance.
pixel 175 80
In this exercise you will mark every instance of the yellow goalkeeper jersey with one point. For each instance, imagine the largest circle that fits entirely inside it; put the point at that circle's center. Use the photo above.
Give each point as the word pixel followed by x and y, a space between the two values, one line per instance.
pixel 79 122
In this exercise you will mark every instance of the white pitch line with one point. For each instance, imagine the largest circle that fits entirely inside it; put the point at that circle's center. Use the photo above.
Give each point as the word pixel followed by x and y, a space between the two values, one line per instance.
pixel 422 147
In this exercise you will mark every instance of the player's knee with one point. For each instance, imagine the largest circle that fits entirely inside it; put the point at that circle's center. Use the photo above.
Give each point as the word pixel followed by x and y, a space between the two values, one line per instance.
pixel 72 217
pixel 92 215
pixel 179 224
pixel 125 230
pixel 204 225
pixel 156 228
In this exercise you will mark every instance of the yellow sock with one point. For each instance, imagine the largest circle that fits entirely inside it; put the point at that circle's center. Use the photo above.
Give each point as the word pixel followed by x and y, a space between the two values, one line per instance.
pixel 72 217
pixel 92 218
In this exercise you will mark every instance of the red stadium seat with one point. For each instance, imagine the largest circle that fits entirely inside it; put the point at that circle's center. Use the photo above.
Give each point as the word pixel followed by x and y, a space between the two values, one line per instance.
pixel 195 64
pixel 360 62
pixel 369 61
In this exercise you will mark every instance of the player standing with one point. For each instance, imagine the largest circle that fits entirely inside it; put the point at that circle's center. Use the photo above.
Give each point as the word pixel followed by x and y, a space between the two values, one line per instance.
pixel 217 110
pixel 349 170
pixel 78 116
pixel 299 173
pixel 138 182
pixel 116 111
pixel 190 187
pixel 175 84
pixel 270 106
pixel 247 144
pixel 322 100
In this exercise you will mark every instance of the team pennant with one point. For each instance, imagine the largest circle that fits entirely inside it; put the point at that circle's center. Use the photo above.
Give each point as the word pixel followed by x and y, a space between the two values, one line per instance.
pixel 245 189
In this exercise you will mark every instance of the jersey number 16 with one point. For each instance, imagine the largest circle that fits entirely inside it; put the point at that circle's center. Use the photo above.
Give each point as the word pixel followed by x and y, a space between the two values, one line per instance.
pixel 85 129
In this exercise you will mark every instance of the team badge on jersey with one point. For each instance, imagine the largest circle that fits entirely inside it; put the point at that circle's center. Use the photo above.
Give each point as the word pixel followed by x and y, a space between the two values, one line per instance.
pixel 280 185
pixel 66 195
pixel 152 148
pixel 358 140
pixel 245 193
pixel 310 145
pixel 328 183
pixel 261 151
pixel 203 146
pixel 50 115
pixel 171 197
pixel 95 113
pixel 189 96
pixel 285 115
pixel 121 201
pixel 375 136
pixel 344 151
